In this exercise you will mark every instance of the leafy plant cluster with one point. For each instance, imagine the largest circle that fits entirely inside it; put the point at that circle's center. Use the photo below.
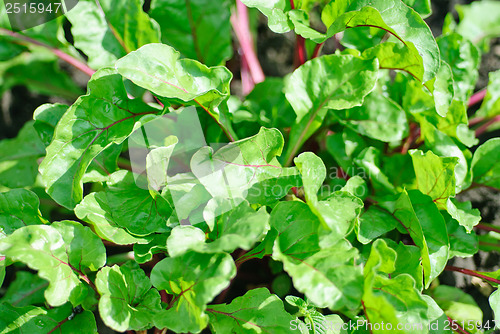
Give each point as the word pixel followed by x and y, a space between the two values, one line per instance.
pixel 346 170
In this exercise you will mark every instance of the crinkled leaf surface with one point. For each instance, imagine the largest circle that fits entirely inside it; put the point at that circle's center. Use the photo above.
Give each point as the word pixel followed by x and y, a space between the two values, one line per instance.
pixel 434 229
pixel 378 118
pixel 198 29
pixel 257 311
pixel 38 320
pixel 392 16
pixel 392 299
pixel 464 59
pixel 128 301
pixel 435 176
pixel 328 277
pixel 95 210
pixel 193 279
pixel 57 254
pixel 241 228
pixel 275 11
pixel 400 207
pixel 157 67
pixel 134 208
pixel 345 81
pixel 94 122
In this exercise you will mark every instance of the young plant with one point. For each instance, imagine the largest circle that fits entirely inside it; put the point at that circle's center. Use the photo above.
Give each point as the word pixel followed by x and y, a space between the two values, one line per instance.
pixel 160 198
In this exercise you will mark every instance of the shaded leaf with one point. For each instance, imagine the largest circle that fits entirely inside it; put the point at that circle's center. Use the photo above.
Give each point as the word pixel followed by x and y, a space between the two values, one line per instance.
pixel 106 30
pixel 198 29
pixel 18 208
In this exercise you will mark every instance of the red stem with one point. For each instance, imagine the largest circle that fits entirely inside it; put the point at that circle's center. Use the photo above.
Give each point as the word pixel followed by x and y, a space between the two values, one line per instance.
pixel 301 53
pixel 477 97
pixel 483 128
pixel 240 23
pixel 489 228
pixel 472 273
pixel 62 55
pixel 459 328
pixel 317 50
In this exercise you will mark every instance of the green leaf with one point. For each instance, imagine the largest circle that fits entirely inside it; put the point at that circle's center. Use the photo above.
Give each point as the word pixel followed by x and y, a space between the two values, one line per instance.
pixel 257 311
pixel 491 102
pixel 266 105
pixel 94 122
pixel 423 7
pixel 464 59
pixel 435 175
pixel 392 16
pixel 275 11
pixel 333 71
pixel 479 21
pixel 241 228
pixel 193 279
pixel 95 210
pixel 27 289
pixel 59 256
pixel 340 211
pixel 313 173
pixel 57 320
pixel 46 117
pixel 400 207
pixel 310 102
pixel 18 208
pixel 128 301
pixel 391 299
pixel 136 209
pixel 107 30
pixel 444 146
pixel 457 304
pixel 198 29
pixel 373 223
pixel 494 301
pixel 344 147
pixel 249 168
pixel 486 164
pixel 463 243
pixel 157 67
pixel 379 118
pixel 327 276
pixel 434 229
pixel 15 317
pixel 19 158
pixel 396 57
pixel 39 72
pixel 144 252
pixel 463 213
pixel 369 160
